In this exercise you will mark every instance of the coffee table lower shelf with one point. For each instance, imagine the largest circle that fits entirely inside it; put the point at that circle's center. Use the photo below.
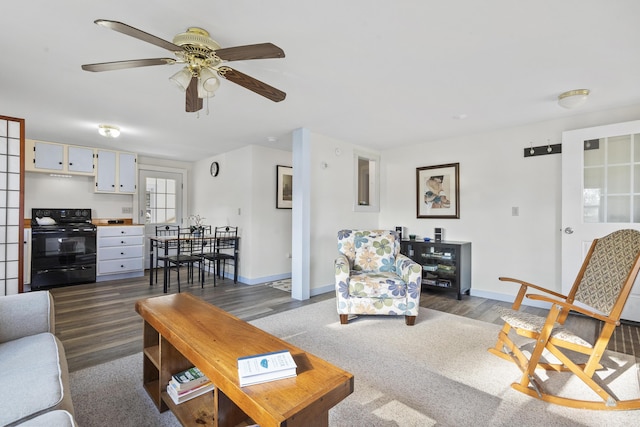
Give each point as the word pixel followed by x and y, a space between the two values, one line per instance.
pixel 195 412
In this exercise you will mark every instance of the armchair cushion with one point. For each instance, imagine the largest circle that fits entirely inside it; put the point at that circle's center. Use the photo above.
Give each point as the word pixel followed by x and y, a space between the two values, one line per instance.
pixel 376 255
pixel 376 284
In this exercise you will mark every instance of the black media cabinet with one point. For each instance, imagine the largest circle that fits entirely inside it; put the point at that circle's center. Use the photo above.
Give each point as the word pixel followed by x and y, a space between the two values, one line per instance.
pixel 445 265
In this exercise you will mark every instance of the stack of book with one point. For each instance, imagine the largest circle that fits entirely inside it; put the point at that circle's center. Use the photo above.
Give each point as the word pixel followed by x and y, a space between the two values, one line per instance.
pixel 265 367
pixel 188 384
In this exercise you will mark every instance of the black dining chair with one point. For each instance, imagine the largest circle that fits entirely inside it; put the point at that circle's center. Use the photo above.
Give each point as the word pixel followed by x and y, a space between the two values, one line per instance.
pixel 221 250
pixel 189 249
pixel 164 230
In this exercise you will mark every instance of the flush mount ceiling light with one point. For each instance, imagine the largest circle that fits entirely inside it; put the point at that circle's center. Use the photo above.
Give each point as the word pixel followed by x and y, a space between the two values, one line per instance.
pixel 109 131
pixel 573 98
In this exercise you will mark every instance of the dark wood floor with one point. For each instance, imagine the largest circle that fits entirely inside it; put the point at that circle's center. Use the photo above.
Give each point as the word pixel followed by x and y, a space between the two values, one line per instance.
pixel 97 322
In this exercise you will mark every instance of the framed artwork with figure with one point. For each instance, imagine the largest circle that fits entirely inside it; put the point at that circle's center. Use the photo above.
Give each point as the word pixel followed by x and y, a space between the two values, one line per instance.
pixel 284 187
pixel 438 191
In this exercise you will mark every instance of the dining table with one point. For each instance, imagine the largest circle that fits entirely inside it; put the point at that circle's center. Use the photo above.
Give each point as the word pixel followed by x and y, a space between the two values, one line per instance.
pixel 165 243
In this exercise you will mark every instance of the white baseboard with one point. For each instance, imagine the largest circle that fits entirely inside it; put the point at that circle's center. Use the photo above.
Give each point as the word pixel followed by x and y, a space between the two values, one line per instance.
pixel 508 298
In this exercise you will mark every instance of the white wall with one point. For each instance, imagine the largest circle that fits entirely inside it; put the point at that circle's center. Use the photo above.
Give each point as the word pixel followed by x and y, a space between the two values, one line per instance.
pixel 331 206
pixel 244 195
pixel 45 191
pixel 494 177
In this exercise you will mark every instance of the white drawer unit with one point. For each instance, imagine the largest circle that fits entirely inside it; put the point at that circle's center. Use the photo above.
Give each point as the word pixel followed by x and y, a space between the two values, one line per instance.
pixel 120 252
pixel 108 242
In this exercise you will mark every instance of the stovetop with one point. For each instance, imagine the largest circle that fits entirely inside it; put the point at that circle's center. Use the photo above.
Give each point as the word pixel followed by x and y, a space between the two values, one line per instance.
pixel 57 218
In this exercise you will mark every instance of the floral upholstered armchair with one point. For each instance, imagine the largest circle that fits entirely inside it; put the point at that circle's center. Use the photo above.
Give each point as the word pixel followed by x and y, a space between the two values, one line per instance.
pixel 373 277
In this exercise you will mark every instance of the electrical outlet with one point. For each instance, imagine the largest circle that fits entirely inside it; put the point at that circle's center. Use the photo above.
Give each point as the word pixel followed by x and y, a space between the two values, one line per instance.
pixel 515 211
pixel 127 209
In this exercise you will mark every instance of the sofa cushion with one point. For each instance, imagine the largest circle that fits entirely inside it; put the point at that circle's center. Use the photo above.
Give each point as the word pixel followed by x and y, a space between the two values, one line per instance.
pixel 15 309
pixel 34 378
pixel 51 419
pixel 376 285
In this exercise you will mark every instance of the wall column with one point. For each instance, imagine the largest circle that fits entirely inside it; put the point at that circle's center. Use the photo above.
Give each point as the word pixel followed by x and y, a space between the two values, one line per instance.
pixel 301 216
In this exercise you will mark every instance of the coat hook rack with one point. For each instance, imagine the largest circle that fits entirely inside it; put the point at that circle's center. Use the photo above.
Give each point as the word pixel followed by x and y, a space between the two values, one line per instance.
pixel 542 149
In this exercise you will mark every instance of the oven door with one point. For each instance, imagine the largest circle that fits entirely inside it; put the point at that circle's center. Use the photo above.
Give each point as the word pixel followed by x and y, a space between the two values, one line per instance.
pixel 62 256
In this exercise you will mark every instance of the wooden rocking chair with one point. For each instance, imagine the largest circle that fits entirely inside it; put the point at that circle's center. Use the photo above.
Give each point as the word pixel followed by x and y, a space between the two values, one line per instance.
pixel 601 288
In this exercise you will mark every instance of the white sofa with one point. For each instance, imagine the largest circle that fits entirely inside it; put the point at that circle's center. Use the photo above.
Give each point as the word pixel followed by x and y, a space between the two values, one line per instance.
pixel 34 384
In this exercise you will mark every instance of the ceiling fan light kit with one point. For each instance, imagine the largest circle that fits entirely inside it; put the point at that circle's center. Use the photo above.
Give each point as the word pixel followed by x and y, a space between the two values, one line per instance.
pixel 182 78
pixel 203 58
pixel 208 83
pixel 109 131
pixel 573 98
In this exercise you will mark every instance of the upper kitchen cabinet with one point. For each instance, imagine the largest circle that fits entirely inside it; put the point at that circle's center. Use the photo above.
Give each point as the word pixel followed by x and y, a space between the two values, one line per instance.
pixel 80 160
pixel 52 157
pixel 116 172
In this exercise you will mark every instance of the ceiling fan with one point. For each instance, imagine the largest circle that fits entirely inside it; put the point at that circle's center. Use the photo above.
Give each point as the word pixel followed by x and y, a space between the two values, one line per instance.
pixel 204 61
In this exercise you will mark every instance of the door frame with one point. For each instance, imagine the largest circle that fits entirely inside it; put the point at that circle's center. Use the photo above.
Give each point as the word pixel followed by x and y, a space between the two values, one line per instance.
pixel 136 200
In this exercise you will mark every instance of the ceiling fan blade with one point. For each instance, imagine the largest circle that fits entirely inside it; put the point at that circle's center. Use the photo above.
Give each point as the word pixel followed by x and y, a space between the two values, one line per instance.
pixel 134 63
pixel 255 85
pixel 138 34
pixel 193 103
pixel 251 51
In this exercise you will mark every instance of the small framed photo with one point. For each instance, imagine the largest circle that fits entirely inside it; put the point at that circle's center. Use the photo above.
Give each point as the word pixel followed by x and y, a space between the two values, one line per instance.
pixel 438 191
pixel 284 187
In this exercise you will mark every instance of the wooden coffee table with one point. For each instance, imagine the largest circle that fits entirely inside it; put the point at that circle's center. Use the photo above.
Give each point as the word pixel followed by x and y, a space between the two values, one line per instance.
pixel 181 331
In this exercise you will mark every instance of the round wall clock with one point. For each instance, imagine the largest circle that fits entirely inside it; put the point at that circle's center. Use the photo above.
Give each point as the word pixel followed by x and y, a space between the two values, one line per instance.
pixel 214 169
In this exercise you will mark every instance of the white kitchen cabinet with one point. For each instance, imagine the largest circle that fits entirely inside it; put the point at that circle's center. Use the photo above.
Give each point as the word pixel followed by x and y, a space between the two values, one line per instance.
pixel 52 157
pixel 106 174
pixel 80 159
pixel 116 172
pixel 127 172
pixel 48 156
pixel 120 252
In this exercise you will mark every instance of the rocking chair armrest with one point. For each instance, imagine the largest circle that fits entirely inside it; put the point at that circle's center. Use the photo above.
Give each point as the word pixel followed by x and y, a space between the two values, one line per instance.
pixel 573 307
pixel 531 285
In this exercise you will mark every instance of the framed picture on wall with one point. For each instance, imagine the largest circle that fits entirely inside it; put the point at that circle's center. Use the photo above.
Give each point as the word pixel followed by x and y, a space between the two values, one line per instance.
pixel 284 187
pixel 438 191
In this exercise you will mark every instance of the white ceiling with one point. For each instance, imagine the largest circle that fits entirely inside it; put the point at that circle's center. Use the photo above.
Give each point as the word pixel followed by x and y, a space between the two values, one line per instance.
pixel 374 73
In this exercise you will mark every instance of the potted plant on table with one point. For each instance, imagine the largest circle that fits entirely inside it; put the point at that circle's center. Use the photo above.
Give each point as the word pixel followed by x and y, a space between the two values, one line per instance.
pixel 197 225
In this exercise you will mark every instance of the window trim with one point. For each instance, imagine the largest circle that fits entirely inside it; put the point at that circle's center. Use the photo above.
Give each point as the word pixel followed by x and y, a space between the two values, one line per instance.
pixel 374 181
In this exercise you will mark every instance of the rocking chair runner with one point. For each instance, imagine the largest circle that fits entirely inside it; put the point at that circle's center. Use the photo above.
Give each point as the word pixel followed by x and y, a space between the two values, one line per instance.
pixel 603 284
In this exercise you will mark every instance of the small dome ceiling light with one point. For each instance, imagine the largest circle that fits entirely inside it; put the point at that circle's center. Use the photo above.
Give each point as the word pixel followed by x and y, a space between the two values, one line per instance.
pixel 573 98
pixel 109 131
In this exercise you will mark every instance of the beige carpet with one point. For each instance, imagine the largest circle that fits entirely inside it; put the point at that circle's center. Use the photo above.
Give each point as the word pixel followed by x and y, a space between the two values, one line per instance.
pixel 437 372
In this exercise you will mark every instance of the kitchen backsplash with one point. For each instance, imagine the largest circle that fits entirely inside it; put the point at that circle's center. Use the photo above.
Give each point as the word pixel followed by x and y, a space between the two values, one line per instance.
pixel 57 192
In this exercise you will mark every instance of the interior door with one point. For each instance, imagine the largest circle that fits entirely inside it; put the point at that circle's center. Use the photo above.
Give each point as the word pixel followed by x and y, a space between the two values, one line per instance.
pixel 160 201
pixel 600 194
